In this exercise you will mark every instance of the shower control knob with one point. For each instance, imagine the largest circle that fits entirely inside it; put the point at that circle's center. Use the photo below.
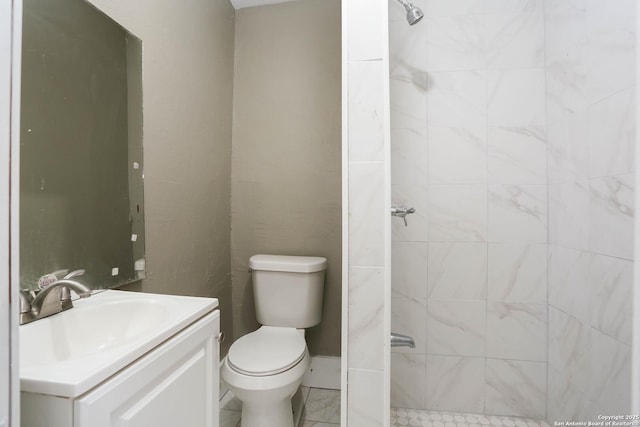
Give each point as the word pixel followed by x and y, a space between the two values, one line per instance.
pixel 402 212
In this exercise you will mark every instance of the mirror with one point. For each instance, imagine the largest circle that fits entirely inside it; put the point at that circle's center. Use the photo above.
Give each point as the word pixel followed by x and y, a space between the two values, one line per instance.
pixel 81 169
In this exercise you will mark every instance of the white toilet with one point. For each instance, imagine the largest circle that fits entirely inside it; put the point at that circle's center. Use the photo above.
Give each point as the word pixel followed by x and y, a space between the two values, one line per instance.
pixel 265 368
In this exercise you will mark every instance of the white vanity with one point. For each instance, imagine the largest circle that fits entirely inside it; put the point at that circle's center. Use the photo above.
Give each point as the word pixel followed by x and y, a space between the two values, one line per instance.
pixel 122 358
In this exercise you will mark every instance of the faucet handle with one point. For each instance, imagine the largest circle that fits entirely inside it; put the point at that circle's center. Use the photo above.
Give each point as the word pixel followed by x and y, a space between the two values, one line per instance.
pixel 26 309
pixel 402 212
pixel 65 297
pixel 25 301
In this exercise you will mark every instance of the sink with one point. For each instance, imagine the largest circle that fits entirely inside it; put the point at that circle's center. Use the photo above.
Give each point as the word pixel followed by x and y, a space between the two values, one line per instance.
pixel 69 353
pixel 88 329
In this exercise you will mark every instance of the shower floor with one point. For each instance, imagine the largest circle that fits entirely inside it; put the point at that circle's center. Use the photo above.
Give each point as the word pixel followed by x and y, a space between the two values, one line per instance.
pixel 414 417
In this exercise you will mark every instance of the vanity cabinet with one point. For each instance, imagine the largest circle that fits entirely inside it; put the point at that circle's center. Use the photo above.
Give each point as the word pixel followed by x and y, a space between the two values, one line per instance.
pixel 175 384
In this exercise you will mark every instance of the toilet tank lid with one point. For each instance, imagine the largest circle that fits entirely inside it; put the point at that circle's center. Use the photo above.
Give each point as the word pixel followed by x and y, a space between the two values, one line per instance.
pixel 294 264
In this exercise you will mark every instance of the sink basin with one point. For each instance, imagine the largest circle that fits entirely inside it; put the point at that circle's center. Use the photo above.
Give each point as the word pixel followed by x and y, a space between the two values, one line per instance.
pixel 69 353
pixel 88 329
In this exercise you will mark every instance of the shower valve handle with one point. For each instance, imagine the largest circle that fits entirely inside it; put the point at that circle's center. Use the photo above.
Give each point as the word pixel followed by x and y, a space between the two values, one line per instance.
pixel 402 212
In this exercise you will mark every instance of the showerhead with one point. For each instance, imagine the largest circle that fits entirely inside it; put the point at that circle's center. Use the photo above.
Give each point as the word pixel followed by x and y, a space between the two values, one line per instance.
pixel 414 13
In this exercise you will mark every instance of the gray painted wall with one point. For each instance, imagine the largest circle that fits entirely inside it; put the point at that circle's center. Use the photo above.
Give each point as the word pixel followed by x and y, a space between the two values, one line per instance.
pixel 286 162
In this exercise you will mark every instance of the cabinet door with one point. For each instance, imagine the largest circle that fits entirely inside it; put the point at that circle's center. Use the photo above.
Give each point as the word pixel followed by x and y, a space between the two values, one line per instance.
pixel 173 385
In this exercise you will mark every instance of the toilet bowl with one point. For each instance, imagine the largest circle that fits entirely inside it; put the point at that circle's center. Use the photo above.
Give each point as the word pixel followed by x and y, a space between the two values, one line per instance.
pixel 266 384
pixel 265 368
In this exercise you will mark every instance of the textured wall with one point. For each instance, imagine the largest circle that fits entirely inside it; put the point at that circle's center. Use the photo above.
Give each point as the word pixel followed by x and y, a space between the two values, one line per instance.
pixel 590 54
pixel 286 150
pixel 187 66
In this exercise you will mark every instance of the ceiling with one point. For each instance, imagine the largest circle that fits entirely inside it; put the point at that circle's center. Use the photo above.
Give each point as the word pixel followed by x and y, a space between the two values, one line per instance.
pixel 239 4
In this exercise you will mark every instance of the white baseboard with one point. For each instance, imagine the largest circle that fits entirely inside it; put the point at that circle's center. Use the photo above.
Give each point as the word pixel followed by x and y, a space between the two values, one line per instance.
pixel 323 372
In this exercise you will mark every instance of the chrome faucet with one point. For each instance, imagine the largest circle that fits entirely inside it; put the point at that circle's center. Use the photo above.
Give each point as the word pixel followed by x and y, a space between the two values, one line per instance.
pixel 399 340
pixel 53 299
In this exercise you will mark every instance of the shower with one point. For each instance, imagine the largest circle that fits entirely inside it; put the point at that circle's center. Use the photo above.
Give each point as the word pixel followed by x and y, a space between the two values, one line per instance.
pixel 504 273
pixel 414 13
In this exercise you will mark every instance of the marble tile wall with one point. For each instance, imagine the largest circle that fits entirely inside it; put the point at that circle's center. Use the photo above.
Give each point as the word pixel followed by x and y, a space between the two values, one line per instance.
pixel 469 152
pixel 512 128
pixel 590 54
pixel 366 165
pixel 512 135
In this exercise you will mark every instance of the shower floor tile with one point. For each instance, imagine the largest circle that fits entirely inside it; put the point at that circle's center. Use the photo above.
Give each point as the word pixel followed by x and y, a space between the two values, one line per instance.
pixel 413 417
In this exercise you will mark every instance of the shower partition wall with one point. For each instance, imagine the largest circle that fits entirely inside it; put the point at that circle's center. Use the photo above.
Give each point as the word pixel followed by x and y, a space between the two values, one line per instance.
pixel 512 128
pixel 365 222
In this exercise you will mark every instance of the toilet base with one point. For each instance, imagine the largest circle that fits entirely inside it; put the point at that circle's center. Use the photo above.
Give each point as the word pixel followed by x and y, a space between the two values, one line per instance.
pixel 274 414
pixel 297 407
pixel 266 401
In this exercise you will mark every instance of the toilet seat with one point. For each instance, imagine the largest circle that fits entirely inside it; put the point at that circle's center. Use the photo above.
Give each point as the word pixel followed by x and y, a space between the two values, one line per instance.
pixel 268 351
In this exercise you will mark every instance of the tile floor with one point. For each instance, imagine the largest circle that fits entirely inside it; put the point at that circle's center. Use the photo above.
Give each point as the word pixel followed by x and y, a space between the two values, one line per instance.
pixel 410 417
pixel 322 408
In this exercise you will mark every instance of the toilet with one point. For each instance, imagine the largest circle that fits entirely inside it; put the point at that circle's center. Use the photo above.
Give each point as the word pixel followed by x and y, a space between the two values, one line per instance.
pixel 265 368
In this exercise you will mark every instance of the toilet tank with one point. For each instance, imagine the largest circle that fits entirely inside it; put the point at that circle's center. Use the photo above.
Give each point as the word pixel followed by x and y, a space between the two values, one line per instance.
pixel 288 289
